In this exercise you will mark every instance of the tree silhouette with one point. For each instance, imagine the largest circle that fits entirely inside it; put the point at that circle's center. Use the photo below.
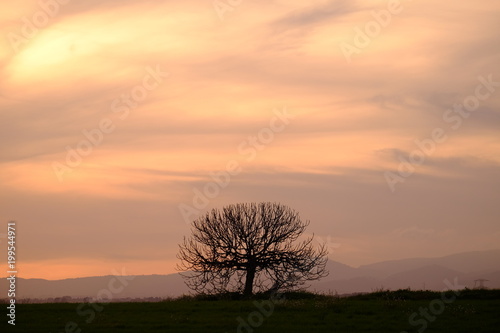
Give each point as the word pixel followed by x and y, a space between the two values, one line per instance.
pixel 250 247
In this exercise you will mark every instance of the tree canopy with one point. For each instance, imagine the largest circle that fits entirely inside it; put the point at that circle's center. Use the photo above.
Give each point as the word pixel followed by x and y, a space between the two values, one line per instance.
pixel 250 247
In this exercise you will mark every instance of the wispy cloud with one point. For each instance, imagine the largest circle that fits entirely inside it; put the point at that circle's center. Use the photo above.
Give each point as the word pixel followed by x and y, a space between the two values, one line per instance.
pixel 353 121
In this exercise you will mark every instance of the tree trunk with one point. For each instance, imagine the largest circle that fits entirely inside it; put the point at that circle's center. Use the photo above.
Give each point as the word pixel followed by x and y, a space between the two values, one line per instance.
pixel 249 281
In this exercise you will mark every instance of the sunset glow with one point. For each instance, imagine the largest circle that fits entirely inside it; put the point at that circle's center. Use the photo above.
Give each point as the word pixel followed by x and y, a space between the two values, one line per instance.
pixel 114 114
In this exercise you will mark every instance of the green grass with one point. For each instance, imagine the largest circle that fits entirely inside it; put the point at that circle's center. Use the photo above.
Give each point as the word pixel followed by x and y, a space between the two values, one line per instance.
pixel 383 311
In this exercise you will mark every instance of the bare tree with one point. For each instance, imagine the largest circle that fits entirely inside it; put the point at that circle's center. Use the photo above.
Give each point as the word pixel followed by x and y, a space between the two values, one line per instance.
pixel 250 247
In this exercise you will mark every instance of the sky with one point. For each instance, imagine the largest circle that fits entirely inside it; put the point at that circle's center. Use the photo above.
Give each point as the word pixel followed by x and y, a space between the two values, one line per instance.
pixel 123 121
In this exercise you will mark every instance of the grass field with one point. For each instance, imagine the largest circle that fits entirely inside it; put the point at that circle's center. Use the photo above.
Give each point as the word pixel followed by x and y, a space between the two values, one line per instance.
pixel 471 311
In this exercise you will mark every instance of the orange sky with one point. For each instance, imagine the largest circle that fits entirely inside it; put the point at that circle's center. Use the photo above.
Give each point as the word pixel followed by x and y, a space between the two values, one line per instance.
pixel 114 114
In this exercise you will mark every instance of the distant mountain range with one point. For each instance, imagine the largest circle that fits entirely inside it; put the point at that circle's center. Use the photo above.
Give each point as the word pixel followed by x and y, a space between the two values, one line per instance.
pixel 415 273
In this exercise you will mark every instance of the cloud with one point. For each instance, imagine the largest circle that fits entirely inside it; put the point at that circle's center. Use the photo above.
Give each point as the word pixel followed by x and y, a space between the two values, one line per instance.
pixel 353 122
pixel 317 14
